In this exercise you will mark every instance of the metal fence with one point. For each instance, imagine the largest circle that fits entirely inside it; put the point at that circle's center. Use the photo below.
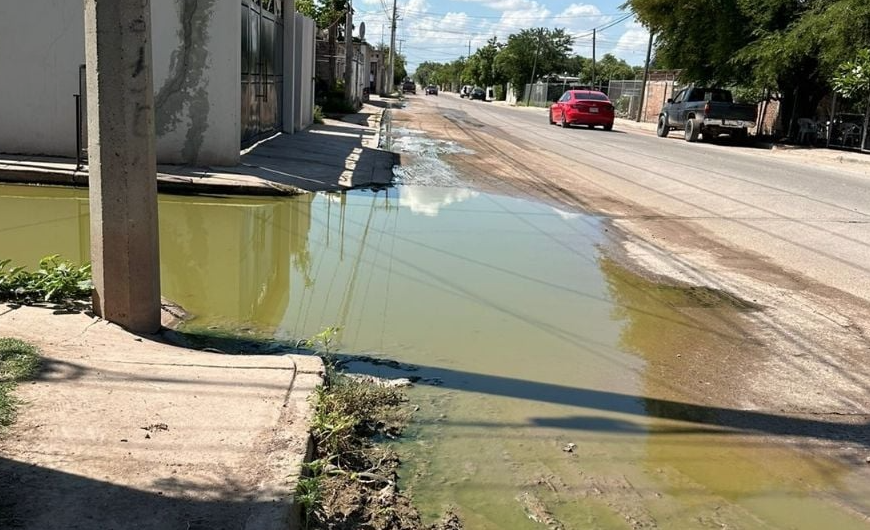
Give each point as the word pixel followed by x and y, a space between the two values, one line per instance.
pixel 542 94
pixel 625 96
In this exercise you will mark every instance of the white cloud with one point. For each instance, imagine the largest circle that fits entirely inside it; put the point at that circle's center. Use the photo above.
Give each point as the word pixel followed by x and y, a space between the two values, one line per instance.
pixel 633 41
pixel 441 31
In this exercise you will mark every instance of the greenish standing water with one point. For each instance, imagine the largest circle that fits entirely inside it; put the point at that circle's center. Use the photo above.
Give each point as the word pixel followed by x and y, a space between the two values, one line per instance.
pixel 544 403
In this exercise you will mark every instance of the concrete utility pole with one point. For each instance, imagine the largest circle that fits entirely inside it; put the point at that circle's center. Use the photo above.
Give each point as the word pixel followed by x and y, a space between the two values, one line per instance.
pixel 122 163
pixel 392 75
pixel 349 91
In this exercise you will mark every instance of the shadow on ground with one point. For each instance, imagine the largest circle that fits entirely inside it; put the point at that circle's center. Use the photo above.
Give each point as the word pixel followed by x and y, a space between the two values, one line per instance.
pixel 26 490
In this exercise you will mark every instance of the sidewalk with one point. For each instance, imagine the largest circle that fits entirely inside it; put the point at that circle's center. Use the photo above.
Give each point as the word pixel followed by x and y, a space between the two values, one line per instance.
pixel 125 432
pixel 339 154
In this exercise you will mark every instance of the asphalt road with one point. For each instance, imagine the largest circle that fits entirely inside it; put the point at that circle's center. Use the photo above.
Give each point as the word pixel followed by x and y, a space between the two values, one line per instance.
pixel 793 211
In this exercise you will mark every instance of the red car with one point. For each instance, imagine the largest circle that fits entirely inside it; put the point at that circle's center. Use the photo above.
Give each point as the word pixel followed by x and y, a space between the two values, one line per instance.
pixel 582 107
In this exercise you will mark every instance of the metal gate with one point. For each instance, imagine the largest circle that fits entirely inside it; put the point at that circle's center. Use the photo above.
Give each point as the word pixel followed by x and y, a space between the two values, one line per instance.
pixel 262 69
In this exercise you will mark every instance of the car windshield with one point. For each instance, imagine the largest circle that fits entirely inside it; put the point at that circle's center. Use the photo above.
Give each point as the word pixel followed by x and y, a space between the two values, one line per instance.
pixel 594 96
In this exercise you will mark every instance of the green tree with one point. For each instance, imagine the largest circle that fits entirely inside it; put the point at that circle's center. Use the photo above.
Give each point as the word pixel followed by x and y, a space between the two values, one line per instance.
pixel 852 79
pixel 792 47
pixel 485 72
pixel 609 67
pixel 539 51
pixel 425 72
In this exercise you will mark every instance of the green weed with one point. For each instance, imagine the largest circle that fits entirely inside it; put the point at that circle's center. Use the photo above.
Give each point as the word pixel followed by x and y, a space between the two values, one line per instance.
pixel 56 280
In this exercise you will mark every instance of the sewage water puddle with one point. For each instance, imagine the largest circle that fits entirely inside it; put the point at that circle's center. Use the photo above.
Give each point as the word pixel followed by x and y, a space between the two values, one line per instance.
pixel 549 398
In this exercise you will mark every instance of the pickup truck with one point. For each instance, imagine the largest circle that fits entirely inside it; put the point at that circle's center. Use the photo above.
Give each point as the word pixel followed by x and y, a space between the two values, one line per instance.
pixel 409 86
pixel 707 111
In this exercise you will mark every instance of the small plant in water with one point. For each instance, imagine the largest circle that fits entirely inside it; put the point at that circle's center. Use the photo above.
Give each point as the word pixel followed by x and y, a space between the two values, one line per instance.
pixel 56 280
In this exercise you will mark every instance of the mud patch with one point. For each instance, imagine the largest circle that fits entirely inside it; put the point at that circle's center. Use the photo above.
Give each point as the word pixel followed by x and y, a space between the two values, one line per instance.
pixel 425 165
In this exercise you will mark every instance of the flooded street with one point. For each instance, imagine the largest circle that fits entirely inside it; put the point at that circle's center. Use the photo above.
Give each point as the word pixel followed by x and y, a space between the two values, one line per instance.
pixel 556 387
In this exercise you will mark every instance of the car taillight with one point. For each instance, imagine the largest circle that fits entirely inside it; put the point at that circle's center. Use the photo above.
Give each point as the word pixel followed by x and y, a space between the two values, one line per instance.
pixel 579 107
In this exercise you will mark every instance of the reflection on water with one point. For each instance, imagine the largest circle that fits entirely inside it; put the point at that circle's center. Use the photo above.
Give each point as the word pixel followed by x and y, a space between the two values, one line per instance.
pixel 538 341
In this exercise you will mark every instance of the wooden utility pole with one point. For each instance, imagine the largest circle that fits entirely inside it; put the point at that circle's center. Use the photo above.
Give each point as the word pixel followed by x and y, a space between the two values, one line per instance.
pixel 645 77
pixel 593 59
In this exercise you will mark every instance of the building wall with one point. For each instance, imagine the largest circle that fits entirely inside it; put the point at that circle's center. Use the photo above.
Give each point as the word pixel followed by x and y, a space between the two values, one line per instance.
pixel 197 80
pixel 196 54
pixel 657 94
pixel 41 48
pixel 303 65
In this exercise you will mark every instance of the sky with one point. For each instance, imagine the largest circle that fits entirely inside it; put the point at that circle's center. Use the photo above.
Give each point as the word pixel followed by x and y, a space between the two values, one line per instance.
pixel 440 31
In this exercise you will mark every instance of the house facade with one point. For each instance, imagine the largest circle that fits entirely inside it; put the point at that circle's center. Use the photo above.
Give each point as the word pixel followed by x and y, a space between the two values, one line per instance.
pixel 226 73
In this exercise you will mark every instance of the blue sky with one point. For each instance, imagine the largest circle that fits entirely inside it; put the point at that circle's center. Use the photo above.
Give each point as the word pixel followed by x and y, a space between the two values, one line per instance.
pixel 441 30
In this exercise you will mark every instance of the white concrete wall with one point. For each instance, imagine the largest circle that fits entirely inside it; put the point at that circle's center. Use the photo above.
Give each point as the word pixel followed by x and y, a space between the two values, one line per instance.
pixel 303 65
pixel 308 56
pixel 197 78
pixel 289 67
pixel 42 44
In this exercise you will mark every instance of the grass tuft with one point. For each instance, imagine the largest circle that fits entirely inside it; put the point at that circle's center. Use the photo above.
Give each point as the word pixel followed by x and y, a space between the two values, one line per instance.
pixel 19 361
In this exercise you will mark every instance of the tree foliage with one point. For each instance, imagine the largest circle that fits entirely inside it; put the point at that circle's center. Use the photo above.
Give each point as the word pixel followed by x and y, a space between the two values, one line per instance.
pixel 791 47
pixel 852 78
pixel 537 50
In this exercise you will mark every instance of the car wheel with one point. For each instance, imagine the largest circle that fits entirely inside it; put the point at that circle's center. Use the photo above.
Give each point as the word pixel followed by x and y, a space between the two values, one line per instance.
pixel 590 126
pixel 550 117
pixel 662 129
pixel 562 122
pixel 693 129
pixel 608 127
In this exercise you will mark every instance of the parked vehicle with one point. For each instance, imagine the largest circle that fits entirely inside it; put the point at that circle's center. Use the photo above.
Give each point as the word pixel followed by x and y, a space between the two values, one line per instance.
pixel 478 93
pixel 706 111
pixel 431 89
pixel 582 107
pixel 409 86
pixel 465 91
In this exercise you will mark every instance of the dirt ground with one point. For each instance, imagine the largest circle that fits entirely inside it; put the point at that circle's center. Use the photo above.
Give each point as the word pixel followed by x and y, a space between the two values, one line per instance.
pixel 804 357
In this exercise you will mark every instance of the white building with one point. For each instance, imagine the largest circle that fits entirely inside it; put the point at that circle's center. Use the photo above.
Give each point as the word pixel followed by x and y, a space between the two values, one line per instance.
pixel 226 73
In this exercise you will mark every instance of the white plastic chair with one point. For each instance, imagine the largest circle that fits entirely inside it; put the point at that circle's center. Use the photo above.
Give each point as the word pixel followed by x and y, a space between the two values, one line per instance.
pixel 851 134
pixel 807 130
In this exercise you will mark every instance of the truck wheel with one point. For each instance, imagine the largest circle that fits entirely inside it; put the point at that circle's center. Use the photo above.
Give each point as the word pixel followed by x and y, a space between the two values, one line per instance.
pixel 740 135
pixel 662 129
pixel 693 129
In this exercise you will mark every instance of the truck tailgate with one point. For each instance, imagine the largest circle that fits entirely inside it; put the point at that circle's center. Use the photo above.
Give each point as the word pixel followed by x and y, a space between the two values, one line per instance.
pixel 731 111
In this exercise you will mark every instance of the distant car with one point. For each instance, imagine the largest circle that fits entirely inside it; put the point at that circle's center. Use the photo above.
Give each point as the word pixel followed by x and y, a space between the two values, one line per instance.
pixel 431 89
pixel 478 93
pixel 465 91
pixel 582 107
pixel 409 86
